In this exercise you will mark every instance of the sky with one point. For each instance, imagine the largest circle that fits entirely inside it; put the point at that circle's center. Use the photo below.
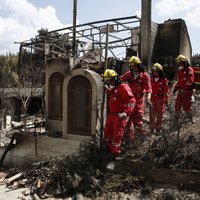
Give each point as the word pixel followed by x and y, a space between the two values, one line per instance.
pixel 20 19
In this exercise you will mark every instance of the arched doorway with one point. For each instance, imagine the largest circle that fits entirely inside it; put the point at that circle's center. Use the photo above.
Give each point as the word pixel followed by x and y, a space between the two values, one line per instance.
pixel 79 104
pixel 56 96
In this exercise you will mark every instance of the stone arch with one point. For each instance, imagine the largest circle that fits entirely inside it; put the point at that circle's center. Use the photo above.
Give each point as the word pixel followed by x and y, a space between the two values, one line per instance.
pixel 79 103
pixel 62 67
pixel 90 86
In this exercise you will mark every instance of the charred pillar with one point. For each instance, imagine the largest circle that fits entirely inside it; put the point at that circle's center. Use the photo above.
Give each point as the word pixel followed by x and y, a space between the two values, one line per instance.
pixel 146 32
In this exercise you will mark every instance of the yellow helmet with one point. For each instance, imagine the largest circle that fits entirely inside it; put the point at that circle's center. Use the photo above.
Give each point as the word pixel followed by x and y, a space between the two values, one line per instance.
pixel 109 74
pixel 135 60
pixel 181 58
pixel 157 66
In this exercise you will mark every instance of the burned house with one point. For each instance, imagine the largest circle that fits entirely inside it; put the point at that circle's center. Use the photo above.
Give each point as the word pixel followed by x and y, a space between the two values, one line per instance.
pixel 73 99
pixel 73 83
pixel 80 83
pixel 168 40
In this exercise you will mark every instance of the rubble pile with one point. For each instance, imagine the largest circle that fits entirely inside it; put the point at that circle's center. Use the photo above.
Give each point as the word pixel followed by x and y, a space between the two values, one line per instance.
pixel 60 176
pixel 84 174
pixel 160 167
pixel 166 151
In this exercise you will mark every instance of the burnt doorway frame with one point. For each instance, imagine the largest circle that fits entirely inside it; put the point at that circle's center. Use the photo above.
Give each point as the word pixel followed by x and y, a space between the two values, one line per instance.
pixel 79 104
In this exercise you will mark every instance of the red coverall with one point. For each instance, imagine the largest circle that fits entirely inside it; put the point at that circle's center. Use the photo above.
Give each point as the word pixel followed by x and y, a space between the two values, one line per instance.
pixel 159 97
pixel 121 99
pixel 183 99
pixel 139 86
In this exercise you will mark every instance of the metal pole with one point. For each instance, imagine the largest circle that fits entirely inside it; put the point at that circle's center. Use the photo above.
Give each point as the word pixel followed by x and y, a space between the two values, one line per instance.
pixel 35 136
pixel 106 49
pixel 104 95
pixel 20 56
pixel 74 27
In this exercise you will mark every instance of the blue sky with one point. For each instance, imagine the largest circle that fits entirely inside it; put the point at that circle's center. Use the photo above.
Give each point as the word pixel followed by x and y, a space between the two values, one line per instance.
pixel 20 19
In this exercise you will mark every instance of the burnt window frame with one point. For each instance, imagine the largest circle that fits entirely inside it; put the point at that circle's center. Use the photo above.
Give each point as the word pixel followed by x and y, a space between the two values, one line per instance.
pixel 55 80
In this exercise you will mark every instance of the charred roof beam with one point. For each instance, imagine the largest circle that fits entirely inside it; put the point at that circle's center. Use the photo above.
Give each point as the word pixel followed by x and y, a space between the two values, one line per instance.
pixel 98 22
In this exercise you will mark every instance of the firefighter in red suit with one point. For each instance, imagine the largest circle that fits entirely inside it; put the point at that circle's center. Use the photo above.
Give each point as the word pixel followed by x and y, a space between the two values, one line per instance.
pixel 121 104
pixel 139 82
pixel 159 97
pixel 183 88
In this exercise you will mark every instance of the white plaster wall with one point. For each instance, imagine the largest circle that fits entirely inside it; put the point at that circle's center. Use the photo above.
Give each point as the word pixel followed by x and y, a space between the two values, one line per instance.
pixel 55 65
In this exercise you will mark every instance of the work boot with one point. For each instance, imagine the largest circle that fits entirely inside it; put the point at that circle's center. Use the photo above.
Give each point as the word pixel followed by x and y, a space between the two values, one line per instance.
pixel 106 159
pixel 110 157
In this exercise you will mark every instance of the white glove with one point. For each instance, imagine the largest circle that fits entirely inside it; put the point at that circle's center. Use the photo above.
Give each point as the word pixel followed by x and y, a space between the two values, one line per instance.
pixel 122 115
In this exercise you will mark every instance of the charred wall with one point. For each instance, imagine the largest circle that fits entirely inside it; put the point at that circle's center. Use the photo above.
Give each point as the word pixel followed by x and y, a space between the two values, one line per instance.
pixel 172 39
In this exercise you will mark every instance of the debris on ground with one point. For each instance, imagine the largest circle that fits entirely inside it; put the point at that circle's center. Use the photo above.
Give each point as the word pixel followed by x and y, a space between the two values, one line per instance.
pixel 161 166
pixel 85 175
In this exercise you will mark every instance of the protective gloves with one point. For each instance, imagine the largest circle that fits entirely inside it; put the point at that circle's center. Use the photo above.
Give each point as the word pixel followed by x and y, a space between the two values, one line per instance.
pixel 122 115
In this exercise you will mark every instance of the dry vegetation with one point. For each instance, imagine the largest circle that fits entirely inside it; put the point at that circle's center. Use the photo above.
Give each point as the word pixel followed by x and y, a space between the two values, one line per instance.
pixel 165 166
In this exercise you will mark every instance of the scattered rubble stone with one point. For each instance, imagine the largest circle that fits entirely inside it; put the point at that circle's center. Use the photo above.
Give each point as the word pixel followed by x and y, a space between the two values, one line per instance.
pixel 84 175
